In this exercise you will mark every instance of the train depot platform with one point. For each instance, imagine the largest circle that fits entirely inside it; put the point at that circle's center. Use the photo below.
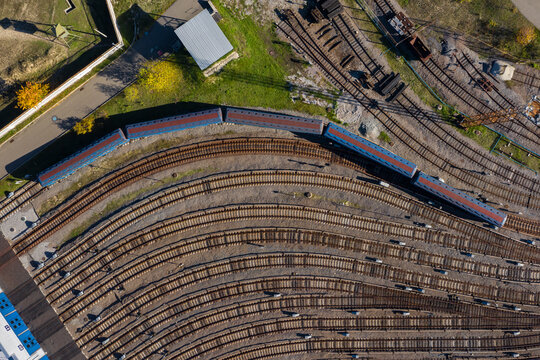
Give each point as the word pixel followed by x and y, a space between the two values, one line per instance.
pixel 36 326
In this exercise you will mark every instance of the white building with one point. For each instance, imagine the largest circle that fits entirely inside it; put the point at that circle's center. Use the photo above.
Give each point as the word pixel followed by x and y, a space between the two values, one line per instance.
pixel 16 340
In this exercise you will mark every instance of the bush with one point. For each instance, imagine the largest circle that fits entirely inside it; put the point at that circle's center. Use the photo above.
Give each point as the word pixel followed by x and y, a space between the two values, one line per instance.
pixel 384 137
pixel 526 35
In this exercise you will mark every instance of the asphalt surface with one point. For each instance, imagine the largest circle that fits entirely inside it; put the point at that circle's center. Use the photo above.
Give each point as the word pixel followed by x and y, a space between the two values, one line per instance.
pixel 34 309
pixel 530 9
pixel 105 85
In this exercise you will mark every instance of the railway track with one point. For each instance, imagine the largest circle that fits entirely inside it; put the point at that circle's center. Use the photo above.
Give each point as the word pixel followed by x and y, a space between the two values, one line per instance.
pixel 117 180
pixel 268 327
pixel 525 132
pixel 344 27
pixel 435 70
pixel 473 238
pixel 523 225
pixel 278 260
pixel 527 79
pixel 170 333
pixel 360 296
pixel 89 271
pixel 151 261
pixel 343 81
pixel 21 196
pixel 387 345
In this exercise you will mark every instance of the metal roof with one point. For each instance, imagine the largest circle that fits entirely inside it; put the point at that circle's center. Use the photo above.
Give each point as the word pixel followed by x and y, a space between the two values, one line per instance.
pixel 204 40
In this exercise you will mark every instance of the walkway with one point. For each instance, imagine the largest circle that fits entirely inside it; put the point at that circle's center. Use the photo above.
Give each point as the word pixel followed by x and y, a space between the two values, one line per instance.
pixel 105 85
pixel 34 309
pixel 530 9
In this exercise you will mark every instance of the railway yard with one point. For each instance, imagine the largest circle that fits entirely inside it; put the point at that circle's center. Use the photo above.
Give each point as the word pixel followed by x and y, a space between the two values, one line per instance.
pixel 261 235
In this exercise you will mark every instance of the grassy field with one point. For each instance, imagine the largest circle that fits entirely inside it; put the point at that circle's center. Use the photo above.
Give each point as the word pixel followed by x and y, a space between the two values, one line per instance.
pixel 495 22
pixel 35 55
pixel 257 78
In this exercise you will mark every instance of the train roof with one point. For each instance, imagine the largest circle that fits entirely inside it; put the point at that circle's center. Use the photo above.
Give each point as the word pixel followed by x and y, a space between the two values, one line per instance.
pixel 373 151
pixel 16 340
pixel 465 200
pixel 276 121
pixel 82 157
pixel 173 123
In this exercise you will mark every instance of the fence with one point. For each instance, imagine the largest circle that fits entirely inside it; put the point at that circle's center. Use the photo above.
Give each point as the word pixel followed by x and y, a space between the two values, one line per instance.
pixel 82 73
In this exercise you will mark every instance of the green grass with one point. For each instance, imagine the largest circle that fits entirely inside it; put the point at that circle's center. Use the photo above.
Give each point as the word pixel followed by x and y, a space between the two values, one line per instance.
pixel 119 202
pixel 9 183
pixel 384 137
pixel 256 79
pixel 481 134
pixel 518 154
pixel 494 22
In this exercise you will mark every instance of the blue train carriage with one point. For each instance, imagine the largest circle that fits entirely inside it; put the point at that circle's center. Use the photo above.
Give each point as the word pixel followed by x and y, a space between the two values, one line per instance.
pixel 174 123
pixel 81 158
pixel 275 121
pixel 459 199
pixel 16 340
pixel 370 150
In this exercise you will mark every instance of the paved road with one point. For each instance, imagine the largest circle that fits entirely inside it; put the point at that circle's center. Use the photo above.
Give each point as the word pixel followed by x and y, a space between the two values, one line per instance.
pixel 530 9
pixel 98 90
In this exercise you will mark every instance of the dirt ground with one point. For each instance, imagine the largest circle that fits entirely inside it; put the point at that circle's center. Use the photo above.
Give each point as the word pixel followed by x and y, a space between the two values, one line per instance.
pixel 26 36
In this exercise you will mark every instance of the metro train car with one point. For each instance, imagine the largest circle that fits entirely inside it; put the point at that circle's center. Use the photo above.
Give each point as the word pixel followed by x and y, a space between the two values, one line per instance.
pixel 370 150
pixel 16 339
pixel 276 121
pixel 459 199
pixel 174 123
pixel 81 158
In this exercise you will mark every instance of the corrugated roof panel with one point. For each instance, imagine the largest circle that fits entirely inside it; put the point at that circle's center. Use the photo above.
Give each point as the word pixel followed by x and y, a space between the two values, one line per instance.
pixel 204 40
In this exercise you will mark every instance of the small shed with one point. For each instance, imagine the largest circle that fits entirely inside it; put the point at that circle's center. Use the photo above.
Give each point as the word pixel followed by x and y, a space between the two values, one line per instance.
pixel 203 39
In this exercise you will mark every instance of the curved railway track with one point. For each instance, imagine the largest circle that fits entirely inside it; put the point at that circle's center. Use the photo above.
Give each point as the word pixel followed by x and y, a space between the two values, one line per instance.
pixel 168 334
pixel 117 180
pixel 277 260
pixel 355 346
pixel 344 82
pixel 361 296
pixel 473 239
pixel 241 333
pixel 144 264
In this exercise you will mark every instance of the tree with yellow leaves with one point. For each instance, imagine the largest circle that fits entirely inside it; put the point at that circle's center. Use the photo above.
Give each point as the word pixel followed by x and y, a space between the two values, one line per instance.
pixel 160 76
pixel 30 94
pixel 526 35
pixel 132 93
pixel 85 125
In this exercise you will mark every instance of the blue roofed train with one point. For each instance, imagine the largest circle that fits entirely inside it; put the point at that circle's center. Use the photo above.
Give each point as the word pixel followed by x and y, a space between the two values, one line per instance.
pixel 286 122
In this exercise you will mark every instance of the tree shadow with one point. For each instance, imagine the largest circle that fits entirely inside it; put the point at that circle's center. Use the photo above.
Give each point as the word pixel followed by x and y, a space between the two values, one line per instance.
pixel 149 45
pixel 58 149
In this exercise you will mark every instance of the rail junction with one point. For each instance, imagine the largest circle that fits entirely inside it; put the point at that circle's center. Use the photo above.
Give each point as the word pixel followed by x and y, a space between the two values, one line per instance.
pixel 287 245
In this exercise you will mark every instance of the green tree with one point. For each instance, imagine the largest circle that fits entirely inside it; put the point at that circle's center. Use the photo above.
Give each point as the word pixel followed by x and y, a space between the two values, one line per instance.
pixel 30 94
